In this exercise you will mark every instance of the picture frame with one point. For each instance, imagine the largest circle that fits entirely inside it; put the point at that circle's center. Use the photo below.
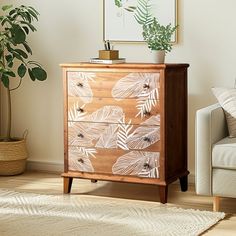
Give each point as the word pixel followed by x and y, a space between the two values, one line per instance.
pixel 119 24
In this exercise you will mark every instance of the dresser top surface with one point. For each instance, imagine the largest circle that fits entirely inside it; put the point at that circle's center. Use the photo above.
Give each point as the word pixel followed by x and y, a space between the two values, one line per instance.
pixel 124 65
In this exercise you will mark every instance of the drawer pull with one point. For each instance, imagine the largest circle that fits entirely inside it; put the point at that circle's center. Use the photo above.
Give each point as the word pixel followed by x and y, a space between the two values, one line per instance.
pixel 146 86
pixel 80 110
pixel 80 85
pixel 147 113
pixel 81 160
pixel 147 139
pixel 146 165
pixel 80 135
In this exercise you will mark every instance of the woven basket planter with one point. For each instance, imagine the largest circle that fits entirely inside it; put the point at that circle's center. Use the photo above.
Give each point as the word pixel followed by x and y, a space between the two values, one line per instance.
pixel 13 157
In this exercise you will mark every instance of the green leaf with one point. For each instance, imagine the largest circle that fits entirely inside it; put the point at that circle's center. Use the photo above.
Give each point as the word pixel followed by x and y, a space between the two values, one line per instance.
pixel 28 49
pixel 18 35
pixel 10 73
pixel 28 24
pixel 32 13
pixel 6 7
pixel 39 73
pixel 32 77
pixel 118 3
pixel 5 80
pixel 22 53
pixel 9 58
pixel 21 70
pixel 143 12
pixel 26 29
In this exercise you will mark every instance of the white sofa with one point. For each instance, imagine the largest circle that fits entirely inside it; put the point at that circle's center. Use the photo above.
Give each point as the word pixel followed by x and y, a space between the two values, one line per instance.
pixel 215 155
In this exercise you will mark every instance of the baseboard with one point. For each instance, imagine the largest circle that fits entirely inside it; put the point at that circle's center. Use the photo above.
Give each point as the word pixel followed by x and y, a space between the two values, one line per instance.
pixel 59 167
pixel 45 166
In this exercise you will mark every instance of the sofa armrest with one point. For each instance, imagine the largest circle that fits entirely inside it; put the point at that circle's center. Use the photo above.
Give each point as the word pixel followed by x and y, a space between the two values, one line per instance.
pixel 210 127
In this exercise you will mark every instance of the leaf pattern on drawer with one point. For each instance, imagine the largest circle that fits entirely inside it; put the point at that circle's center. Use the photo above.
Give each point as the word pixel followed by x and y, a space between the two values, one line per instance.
pixel 146 101
pixel 144 136
pixel 74 114
pixel 133 85
pixel 79 159
pixel 108 114
pixel 78 85
pixel 123 133
pixel 108 138
pixel 97 126
pixel 143 164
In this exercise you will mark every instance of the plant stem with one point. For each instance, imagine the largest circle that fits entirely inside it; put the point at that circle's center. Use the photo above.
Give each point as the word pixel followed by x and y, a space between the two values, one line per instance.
pixel 8 132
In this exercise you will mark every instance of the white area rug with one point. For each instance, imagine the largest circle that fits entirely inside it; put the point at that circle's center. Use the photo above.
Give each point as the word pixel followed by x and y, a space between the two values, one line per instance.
pixel 34 214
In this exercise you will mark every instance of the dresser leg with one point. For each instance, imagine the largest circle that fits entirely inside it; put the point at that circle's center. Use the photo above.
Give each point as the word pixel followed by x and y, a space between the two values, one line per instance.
pixel 184 183
pixel 163 190
pixel 67 184
pixel 94 181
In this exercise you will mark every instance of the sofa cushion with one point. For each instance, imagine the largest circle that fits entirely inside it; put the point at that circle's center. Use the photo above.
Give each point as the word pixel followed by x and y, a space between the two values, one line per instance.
pixel 224 154
pixel 227 100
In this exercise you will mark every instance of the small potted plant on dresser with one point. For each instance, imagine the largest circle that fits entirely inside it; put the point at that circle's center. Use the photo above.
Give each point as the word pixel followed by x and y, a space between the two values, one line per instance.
pixel 157 36
pixel 16 24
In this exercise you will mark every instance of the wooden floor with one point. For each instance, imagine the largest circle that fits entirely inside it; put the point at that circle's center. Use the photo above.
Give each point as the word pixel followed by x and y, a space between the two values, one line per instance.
pixel 36 182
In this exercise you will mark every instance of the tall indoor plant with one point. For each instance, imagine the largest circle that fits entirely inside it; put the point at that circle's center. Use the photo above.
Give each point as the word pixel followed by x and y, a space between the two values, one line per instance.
pixel 157 36
pixel 16 24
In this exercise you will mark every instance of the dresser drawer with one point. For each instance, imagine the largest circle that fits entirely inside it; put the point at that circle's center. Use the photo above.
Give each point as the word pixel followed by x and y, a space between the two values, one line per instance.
pixel 112 111
pixel 110 84
pixel 120 135
pixel 116 162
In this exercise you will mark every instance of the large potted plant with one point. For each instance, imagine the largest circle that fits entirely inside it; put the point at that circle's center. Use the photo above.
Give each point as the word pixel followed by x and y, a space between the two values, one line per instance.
pixel 16 24
pixel 157 36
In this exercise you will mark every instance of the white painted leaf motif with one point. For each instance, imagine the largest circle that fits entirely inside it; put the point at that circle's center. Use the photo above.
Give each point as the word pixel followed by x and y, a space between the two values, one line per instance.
pixel 143 164
pixel 123 133
pixel 108 138
pixel 133 85
pixel 74 114
pixel 86 133
pixel 78 136
pixel 78 85
pixel 147 134
pixel 108 114
pixel 79 159
pixel 146 101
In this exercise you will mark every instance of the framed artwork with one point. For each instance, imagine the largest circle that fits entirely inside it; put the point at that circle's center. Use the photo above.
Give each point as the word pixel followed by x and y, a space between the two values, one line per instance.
pixel 119 24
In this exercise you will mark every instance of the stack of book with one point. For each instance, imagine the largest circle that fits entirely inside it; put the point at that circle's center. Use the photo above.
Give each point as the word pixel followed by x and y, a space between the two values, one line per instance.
pixel 107 61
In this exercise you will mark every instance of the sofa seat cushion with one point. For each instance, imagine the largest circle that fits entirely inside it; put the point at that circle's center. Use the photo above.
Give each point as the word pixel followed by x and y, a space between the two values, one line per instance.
pixel 224 154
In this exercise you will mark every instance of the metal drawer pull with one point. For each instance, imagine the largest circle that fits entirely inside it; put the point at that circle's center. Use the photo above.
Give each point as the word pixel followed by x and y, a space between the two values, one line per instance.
pixel 80 135
pixel 147 139
pixel 146 86
pixel 146 165
pixel 80 109
pixel 80 85
pixel 81 160
pixel 147 113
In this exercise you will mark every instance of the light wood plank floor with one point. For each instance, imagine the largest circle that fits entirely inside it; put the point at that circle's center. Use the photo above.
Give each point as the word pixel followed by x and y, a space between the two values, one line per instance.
pixel 51 183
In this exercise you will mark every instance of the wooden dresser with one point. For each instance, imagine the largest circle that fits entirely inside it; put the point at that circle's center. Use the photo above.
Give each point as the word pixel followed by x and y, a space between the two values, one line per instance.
pixel 126 123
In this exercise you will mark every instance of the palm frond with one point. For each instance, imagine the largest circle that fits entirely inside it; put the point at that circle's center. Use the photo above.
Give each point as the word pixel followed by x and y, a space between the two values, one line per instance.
pixel 146 101
pixel 123 133
pixel 143 12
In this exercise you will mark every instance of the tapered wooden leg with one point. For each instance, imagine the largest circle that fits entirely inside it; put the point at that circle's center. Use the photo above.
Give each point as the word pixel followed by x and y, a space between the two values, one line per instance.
pixel 163 190
pixel 67 184
pixel 216 203
pixel 94 181
pixel 184 183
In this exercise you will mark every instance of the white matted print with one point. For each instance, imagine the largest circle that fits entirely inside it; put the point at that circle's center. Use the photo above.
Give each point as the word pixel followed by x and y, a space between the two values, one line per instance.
pixel 119 22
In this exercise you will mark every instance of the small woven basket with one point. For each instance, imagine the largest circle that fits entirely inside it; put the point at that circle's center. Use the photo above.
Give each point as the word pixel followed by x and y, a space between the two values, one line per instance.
pixel 13 157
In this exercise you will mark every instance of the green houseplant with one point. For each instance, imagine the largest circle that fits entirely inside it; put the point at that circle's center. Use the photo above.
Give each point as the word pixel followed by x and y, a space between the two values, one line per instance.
pixel 157 36
pixel 15 26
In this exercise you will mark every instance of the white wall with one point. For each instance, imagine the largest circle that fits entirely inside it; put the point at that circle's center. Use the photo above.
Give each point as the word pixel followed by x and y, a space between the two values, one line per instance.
pixel 71 31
